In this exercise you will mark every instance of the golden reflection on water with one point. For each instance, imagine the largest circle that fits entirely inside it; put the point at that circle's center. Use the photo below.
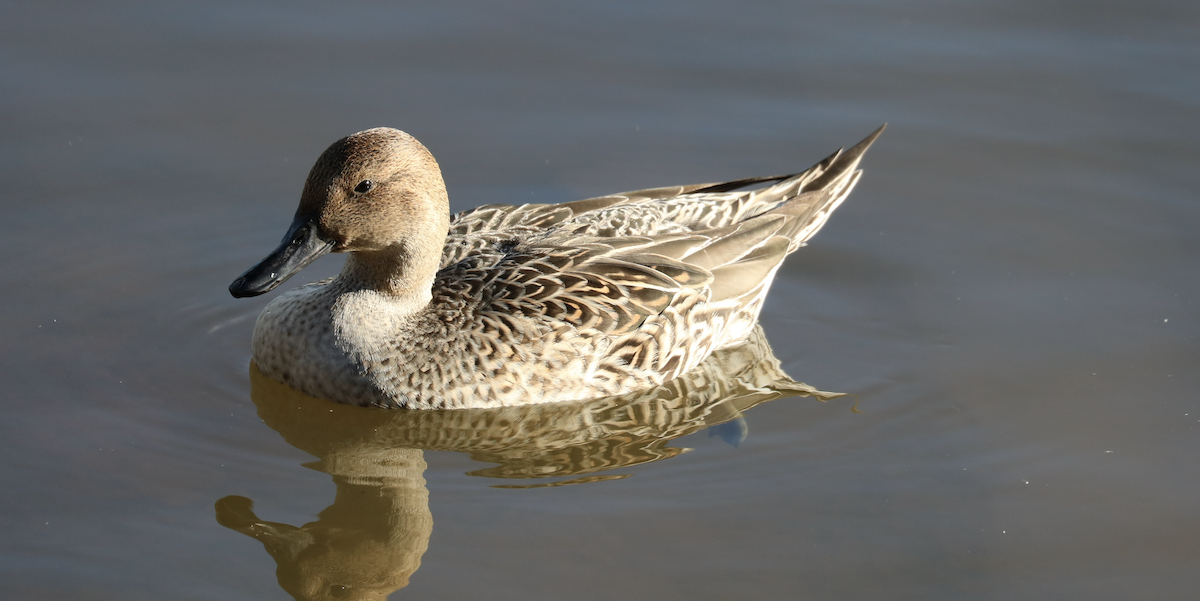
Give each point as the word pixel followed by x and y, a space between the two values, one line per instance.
pixel 371 539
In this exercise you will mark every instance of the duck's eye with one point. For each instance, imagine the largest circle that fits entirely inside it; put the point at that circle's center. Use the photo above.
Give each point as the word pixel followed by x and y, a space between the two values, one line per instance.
pixel 364 186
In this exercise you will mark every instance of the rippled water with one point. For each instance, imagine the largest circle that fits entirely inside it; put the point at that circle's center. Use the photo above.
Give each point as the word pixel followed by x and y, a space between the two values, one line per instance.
pixel 1009 298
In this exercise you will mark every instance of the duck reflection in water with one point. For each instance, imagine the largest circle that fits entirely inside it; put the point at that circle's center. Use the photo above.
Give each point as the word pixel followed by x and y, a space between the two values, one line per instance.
pixel 370 540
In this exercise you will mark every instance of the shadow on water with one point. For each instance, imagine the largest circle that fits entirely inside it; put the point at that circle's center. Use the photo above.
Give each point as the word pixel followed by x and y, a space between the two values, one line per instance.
pixel 371 539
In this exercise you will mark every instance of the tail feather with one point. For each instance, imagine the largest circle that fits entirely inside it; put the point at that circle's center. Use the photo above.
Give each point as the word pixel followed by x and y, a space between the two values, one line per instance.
pixel 847 161
pixel 819 191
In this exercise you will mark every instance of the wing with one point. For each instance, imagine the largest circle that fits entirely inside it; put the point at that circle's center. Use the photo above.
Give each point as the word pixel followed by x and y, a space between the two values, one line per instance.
pixel 663 276
pixel 667 210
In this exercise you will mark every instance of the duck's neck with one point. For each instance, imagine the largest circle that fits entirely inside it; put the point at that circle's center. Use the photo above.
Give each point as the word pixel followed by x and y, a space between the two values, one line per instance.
pixel 402 272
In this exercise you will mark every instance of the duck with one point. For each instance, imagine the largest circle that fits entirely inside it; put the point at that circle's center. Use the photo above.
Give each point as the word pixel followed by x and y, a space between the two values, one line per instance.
pixel 507 305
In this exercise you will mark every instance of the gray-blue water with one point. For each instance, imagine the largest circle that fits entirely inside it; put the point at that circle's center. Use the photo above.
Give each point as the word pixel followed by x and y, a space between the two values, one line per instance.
pixel 1010 295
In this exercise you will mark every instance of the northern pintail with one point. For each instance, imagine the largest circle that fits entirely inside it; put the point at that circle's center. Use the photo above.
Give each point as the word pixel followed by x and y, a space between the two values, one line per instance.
pixel 514 305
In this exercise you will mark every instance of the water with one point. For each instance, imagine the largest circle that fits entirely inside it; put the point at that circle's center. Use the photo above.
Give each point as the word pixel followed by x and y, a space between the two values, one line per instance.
pixel 1009 296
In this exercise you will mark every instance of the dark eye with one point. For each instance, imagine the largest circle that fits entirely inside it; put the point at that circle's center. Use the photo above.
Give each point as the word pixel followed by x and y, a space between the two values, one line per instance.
pixel 364 186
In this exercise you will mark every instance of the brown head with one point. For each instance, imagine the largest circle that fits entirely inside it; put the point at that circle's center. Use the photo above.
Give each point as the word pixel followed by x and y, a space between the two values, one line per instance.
pixel 376 191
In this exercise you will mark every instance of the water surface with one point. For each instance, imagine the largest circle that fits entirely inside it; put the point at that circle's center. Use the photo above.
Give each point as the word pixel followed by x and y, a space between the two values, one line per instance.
pixel 1009 296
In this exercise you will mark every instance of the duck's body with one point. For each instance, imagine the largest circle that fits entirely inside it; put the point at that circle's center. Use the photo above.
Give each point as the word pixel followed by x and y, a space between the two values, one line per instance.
pixel 519 305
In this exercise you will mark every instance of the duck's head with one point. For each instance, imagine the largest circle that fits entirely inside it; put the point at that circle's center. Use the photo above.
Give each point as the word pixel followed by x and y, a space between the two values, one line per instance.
pixel 374 191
